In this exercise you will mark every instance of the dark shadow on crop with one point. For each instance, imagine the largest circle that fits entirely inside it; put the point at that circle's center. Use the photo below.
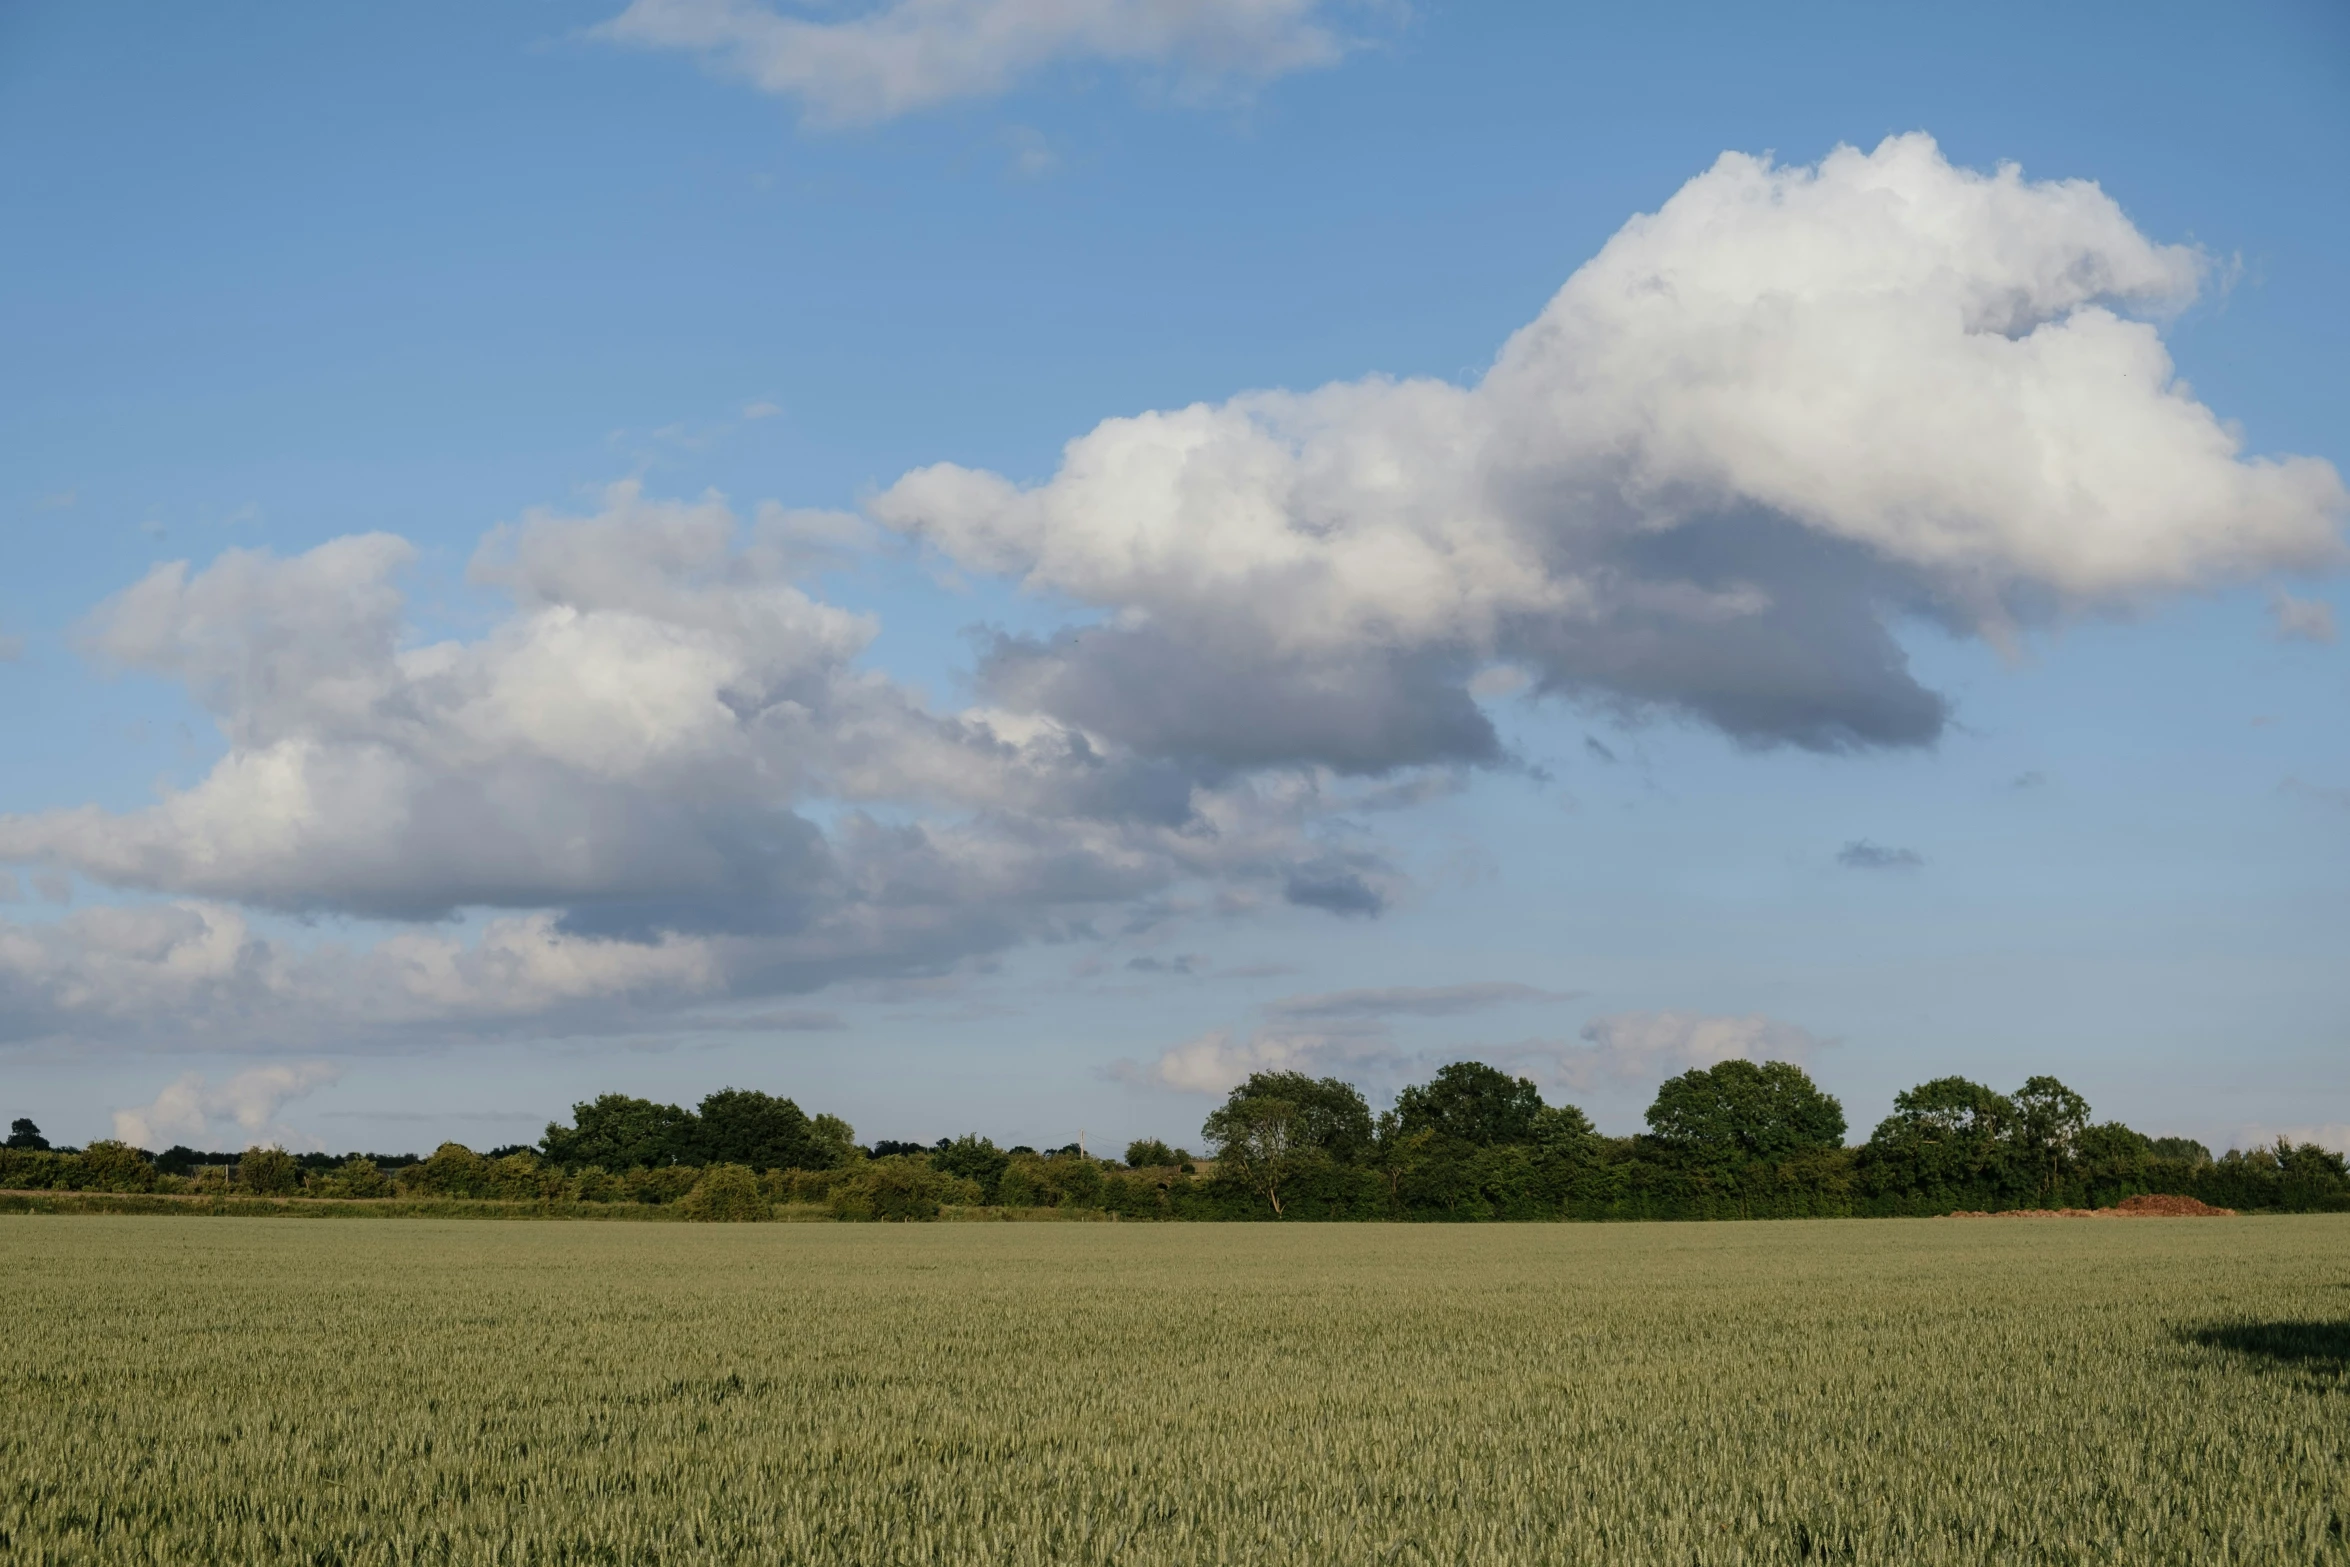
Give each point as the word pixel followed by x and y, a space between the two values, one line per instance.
pixel 2302 1346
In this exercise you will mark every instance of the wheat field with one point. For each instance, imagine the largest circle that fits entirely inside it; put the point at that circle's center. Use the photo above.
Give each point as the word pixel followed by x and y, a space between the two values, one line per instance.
pixel 224 1390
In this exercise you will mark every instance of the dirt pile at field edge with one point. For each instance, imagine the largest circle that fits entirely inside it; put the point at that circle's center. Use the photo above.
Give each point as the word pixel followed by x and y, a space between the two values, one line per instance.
pixel 2146 1205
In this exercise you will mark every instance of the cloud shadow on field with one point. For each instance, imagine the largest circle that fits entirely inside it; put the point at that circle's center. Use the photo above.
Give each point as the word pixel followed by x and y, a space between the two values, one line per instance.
pixel 2303 1345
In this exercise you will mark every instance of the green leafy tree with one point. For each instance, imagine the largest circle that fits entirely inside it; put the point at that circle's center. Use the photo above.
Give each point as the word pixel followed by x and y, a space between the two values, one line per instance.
pixel 1944 1137
pixel 1563 1129
pixel 1397 1153
pixel 23 1134
pixel 269 1172
pixel 1257 1139
pixel 975 1159
pixel 2182 1150
pixel 834 1142
pixel 2111 1143
pixel 1330 1115
pixel 1739 1113
pixel 1149 1153
pixel 744 1126
pixel 620 1133
pixel 1470 1102
pixel 2049 1121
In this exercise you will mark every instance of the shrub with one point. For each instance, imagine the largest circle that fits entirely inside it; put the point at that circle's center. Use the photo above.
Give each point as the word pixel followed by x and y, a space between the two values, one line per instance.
pixel 972 1158
pixel 454 1170
pixel 109 1166
pixel 269 1172
pixel 519 1177
pixel 34 1169
pixel 807 1185
pixel 899 1188
pixel 354 1178
pixel 727 1194
pixel 665 1184
pixel 1148 1153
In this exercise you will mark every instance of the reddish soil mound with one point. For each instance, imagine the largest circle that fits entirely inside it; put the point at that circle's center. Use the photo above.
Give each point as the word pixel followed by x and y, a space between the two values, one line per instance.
pixel 2147 1205
pixel 2151 1205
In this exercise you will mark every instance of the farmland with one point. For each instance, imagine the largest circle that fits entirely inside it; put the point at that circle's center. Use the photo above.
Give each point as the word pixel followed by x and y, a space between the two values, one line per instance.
pixel 1886 1391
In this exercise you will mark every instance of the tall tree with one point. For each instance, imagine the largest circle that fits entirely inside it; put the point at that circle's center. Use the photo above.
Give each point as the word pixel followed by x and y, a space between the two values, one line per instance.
pixel 1256 1138
pixel 1472 1103
pixel 1397 1153
pixel 1330 1114
pixel 835 1141
pixel 2049 1121
pixel 759 1131
pixel 1948 1135
pixel 23 1134
pixel 620 1133
pixel 1738 1112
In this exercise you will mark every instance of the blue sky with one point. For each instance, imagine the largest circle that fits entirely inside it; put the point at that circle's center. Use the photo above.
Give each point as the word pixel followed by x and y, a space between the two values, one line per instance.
pixel 283 278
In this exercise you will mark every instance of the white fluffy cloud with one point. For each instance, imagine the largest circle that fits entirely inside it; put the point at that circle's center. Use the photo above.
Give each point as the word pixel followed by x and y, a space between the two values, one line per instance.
pixel 905 55
pixel 1639 1048
pixel 1345 1031
pixel 628 745
pixel 188 1110
pixel 1786 408
pixel 1760 428
pixel 634 761
pixel 192 974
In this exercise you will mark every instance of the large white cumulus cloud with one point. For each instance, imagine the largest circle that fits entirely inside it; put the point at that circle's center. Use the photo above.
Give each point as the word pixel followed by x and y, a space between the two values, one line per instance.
pixel 1764 427
pixel 1785 409
pixel 662 759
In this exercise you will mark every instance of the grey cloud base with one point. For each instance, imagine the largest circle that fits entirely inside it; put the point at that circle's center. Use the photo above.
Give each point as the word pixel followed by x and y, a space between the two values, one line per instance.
pixel 1766 426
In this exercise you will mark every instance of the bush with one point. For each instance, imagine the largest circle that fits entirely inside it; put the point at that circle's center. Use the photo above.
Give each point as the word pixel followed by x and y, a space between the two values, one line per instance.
pixel 727 1194
pixel 899 1188
pixel 354 1178
pixel 109 1166
pixel 519 1177
pixel 269 1172
pixel 664 1184
pixel 1148 1153
pixel 454 1170
pixel 972 1158
pixel 34 1169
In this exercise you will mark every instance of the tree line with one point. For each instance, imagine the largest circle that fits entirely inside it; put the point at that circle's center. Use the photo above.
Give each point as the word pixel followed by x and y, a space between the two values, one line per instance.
pixel 1738 1140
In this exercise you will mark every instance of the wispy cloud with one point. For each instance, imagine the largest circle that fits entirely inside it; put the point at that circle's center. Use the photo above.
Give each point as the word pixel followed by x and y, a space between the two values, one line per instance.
pixel 1645 1047
pixel 1862 855
pixel 2300 620
pixel 903 56
pixel 1340 1030
pixel 2322 794
pixel 1414 1000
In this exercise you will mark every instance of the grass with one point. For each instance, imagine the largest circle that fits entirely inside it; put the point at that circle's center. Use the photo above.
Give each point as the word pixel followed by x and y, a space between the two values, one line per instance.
pixel 1872 1391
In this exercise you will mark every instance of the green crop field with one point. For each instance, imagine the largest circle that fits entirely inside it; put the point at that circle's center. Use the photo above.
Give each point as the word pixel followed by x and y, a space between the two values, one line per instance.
pixel 228 1390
